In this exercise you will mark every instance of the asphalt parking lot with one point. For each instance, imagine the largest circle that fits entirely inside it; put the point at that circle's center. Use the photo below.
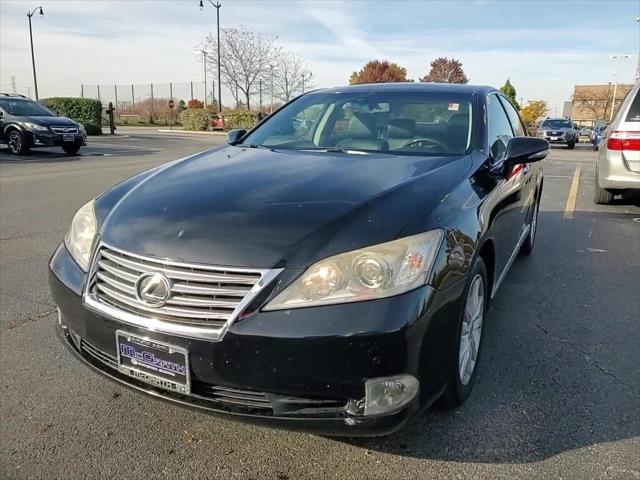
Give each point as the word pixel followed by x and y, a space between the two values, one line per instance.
pixel 558 388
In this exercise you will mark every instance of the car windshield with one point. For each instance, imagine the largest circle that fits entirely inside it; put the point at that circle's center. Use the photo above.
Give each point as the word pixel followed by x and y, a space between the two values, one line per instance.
pixel 24 108
pixel 561 123
pixel 400 123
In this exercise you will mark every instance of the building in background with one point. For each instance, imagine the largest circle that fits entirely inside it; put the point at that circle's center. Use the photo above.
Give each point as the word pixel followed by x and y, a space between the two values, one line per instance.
pixel 566 109
pixel 592 104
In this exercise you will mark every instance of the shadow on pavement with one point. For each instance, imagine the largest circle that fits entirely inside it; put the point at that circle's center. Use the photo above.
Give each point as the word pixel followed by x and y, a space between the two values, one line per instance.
pixel 560 367
pixel 51 155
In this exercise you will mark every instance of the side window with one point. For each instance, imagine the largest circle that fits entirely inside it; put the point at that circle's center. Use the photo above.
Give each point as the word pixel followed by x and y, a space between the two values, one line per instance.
pixel 634 110
pixel 514 118
pixel 498 128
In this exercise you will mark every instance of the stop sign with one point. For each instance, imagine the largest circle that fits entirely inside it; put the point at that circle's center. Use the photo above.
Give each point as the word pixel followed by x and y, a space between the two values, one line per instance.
pixel 171 103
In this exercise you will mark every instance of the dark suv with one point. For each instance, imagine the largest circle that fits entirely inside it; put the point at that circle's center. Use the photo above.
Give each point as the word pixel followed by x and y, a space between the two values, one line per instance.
pixel 25 124
pixel 559 130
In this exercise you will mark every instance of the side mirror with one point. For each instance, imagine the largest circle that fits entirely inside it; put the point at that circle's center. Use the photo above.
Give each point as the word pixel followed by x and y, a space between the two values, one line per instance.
pixel 234 135
pixel 526 150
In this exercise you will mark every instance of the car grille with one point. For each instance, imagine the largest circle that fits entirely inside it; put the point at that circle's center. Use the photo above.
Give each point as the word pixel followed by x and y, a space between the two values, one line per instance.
pixel 73 130
pixel 199 295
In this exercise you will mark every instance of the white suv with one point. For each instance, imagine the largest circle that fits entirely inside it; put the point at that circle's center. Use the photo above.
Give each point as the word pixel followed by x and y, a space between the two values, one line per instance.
pixel 618 164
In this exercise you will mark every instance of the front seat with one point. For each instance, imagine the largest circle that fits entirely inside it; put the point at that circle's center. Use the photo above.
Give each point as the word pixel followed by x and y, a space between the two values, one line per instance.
pixel 399 131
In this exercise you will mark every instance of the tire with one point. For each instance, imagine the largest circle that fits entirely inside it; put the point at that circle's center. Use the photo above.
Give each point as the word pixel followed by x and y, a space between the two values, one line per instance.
pixel 17 142
pixel 571 145
pixel 527 246
pixel 71 149
pixel 465 373
pixel 601 196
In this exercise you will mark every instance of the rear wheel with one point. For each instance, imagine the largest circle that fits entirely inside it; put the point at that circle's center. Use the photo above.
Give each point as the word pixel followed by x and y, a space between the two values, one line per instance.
pixel 601 196
pixel 527 246
pixel 469 336
pixel 71 149
pixel 17 142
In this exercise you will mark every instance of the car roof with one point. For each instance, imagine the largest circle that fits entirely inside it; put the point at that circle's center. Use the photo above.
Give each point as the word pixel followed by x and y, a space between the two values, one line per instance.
pixel 426 87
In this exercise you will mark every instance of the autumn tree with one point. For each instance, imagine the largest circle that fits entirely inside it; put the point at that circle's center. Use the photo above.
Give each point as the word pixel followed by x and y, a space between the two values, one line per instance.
pixel 533 111
pixel 445 70
pixel 378 71
pixel 245 58
pixel 510 92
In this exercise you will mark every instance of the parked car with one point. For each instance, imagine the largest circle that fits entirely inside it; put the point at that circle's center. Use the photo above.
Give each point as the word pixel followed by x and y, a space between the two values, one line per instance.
pixel 596 136
pixel 333 279
pixel 559 130
pixel 618 164
pixel 25 124
pixel 217 123
pixel 585 132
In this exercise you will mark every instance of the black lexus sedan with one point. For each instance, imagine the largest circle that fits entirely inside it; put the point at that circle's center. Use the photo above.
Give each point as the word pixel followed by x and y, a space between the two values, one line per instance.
pixel 329 270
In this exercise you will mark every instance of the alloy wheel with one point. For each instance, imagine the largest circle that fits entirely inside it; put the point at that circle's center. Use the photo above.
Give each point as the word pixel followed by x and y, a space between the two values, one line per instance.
pixel 15 142
pixel 471 330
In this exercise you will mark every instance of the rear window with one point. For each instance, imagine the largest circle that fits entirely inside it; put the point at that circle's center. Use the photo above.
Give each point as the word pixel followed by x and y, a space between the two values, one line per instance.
pixel 634 110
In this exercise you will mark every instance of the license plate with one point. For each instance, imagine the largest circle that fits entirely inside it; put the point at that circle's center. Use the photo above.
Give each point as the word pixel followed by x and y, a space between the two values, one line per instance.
pixel 553 138
pixel 157 363
pixel 68 138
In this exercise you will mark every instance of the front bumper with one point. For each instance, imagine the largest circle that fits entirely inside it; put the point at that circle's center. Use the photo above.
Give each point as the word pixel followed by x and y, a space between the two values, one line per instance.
pixel 300 369
pixel 564 139
pixel 50 139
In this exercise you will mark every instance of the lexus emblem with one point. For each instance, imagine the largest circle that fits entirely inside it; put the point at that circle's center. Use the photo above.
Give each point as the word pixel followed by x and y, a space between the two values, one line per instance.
pixel 153 289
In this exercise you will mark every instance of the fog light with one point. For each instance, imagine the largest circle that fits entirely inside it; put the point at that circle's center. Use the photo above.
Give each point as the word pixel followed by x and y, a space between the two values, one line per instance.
pixel 389 394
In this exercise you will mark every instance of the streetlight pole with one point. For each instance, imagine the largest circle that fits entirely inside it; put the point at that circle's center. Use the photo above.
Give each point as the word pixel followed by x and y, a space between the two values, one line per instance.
pixel 271 109
pixel 304 77
pixel 204 68
pixel 638 64
pixel 217 6
pixel 33 58
pixel 617 58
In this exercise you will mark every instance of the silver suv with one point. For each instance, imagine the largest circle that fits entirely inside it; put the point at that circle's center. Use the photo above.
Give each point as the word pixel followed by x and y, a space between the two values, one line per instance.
pixel 618 164
pixel 559 130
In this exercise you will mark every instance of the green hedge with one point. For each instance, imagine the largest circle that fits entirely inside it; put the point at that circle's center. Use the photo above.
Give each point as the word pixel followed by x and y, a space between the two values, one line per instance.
pixel 239 119
pixel 86 111
pixel 194 119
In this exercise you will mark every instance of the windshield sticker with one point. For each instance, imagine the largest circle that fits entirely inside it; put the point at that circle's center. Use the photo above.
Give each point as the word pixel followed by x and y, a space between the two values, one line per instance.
pixel 454 107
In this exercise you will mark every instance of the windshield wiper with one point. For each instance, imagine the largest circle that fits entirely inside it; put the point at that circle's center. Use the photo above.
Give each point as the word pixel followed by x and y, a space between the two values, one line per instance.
pixel 336 150
pixel 252 145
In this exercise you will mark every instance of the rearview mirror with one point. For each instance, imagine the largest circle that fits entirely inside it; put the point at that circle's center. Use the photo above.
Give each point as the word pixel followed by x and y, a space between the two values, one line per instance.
pixel 234 135
pixel 527 149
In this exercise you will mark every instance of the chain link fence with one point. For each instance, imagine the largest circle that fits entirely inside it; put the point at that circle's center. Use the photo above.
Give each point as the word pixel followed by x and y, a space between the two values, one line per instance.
pixel 147 104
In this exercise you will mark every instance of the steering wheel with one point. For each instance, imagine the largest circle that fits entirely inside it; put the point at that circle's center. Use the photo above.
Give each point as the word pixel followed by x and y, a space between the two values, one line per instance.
pixel 431 141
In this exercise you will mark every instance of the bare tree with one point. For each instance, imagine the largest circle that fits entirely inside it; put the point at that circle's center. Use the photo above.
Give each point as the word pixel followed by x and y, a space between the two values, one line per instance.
pixel 245 57
pixel 290 77
pixel 596 102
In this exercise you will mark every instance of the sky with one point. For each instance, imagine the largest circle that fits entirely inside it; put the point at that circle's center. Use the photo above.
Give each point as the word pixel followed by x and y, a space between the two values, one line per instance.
pixel 543 47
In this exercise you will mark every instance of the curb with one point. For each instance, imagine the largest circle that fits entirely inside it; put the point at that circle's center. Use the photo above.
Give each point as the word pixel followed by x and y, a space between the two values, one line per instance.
pixel 190 132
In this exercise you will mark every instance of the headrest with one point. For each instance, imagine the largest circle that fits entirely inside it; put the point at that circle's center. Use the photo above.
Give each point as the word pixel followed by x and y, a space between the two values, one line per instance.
pixel 401 128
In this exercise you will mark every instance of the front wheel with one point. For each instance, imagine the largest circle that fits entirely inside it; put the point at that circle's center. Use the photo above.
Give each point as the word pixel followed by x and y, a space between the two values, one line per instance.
pixel 71 149
pixel 571 145
pixel 17 142
pixel 527 246
pixel 469 336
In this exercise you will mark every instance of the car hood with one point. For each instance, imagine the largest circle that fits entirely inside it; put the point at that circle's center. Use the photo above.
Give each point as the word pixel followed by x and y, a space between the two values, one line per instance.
pixel 261 208
pixel 48 120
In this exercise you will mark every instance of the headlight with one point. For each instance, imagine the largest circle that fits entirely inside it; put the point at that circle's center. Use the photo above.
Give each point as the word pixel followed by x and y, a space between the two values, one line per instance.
pixel 374 272
pixel 81 129
pixel 35 126
pixel 82 232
